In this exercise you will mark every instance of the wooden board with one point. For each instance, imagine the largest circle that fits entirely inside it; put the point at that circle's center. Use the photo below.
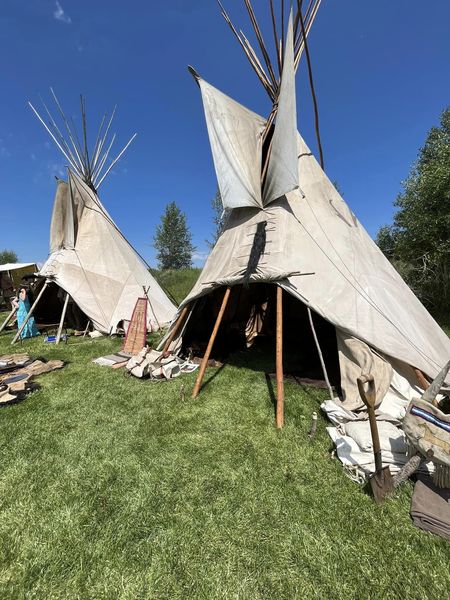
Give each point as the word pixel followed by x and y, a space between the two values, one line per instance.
pixel 136 337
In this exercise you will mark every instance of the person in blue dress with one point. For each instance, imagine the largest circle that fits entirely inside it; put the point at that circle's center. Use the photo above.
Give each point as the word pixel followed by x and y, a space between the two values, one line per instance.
pixel 22 303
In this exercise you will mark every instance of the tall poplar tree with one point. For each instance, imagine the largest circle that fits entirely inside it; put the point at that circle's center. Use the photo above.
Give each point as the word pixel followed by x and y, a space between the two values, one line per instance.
pixel 173 240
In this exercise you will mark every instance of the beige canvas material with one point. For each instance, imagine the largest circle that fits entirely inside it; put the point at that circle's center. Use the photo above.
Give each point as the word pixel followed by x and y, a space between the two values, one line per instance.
pixel 426 435
pixel 62 228
pixel 236 144
pixel 430 508
pixel 282 174
pixel 357 358
pixel 101 272
pixel 352 285
pixel 391 437
pixel 152 363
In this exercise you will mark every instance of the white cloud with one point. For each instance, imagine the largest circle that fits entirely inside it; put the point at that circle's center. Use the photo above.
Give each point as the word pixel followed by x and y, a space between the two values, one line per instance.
pixel 60 15
pixel 200 256
pixel 55 168
pixel 4 152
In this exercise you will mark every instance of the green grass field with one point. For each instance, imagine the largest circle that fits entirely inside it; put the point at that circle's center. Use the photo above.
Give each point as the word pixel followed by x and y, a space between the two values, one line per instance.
pixel 115 488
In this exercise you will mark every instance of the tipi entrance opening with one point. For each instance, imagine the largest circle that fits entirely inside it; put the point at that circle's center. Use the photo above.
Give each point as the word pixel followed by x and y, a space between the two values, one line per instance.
pixel 249 323
pixel 50 308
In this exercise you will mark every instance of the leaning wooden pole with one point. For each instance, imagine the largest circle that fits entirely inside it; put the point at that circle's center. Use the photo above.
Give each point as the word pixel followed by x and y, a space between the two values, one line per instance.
pixel 279 359
pixel 63 316
pixel 31 311
pixel 176 328
pixel 8 319
pixel 201 372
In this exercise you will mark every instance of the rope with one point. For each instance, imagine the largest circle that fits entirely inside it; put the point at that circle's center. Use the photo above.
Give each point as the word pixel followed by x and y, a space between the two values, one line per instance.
pixel 311 84
pixel 319 143
pixel 362 293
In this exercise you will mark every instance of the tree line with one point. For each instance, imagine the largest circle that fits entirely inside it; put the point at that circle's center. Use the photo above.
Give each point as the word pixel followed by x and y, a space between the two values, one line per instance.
pixel 418 241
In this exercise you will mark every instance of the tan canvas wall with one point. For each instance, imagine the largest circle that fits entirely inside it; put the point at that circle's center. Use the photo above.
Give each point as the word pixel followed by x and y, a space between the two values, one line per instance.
pixel 352 285
pixel 100 270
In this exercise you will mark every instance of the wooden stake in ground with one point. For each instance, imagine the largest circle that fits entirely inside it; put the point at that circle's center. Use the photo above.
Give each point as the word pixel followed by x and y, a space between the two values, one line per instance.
pixel 63 316
pixel 205 359
pixel 35 303
pixel 8 319
pixel 176 328
pixel 279 359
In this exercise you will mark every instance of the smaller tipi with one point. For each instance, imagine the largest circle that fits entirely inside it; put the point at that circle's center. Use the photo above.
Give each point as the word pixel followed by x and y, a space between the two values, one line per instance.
pixel 92 267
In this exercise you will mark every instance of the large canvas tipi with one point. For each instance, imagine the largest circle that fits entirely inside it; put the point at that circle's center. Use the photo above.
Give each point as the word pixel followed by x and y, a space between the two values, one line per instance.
pixel 90 260
pixel 291 245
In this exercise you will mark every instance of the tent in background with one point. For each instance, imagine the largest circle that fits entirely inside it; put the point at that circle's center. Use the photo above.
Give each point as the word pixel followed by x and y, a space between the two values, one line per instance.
pixel 17 271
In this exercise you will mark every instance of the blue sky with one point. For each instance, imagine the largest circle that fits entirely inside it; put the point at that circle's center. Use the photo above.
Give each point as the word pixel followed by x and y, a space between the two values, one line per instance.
pixel 382 79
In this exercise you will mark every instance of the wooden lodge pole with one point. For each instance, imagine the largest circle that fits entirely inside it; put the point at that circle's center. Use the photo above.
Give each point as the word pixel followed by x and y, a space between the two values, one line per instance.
pixel 8 319
pixel 279 360
pixel 176 328
pixel 205 359
pixel 31 311
pixel 63 316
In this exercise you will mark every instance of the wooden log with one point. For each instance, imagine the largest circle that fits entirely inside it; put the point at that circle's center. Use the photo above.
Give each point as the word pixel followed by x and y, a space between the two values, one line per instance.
pixel 31 311
pixel 424 383
pixel 63 316
pixel 279 360
pixel 8 319
pixel 176 328
pixel 205 359
pixel 409 469
pixel 421 379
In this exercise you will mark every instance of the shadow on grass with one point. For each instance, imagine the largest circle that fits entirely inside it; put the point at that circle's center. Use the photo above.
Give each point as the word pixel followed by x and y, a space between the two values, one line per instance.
pixel 271 393
pixel 213 376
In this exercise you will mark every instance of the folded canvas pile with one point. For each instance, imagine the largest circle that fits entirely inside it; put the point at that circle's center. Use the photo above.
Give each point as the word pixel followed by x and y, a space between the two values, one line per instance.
pixel 117 360
pixel 158 365
pixel 430 507
pixel 352 438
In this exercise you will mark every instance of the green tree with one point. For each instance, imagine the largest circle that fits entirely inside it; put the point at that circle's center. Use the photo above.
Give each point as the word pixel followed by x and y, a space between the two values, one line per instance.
pixel 173 240
pixel 418 241
pixel 8 256
pixel 220 217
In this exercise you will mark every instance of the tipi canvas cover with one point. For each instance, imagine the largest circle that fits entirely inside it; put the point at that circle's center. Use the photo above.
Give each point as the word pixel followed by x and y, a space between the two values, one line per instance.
pixel 315 249
pixel 289 229
pixel 92 261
